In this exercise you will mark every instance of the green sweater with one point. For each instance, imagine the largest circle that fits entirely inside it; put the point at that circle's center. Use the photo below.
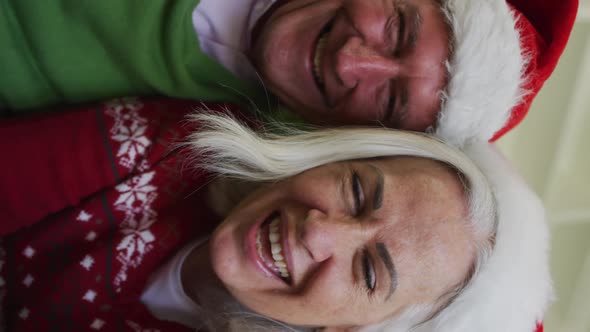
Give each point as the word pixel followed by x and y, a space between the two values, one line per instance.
pixel 69 51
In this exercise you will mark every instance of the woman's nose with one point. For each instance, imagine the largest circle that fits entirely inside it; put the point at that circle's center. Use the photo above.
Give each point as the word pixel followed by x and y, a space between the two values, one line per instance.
pixel 356 61
pixel 324 235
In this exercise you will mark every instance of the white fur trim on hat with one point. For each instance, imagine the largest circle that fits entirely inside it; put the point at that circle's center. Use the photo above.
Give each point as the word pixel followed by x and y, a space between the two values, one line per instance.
pixel 485 70
pixel 513 288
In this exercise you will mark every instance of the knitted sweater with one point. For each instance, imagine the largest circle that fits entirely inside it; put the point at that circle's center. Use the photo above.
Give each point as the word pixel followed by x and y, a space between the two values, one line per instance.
pixel 75 51
pixel 93 202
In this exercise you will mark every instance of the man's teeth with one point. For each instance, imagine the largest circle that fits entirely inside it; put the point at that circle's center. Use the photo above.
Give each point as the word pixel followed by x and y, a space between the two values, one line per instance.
pixel 276 248
pixel 317 57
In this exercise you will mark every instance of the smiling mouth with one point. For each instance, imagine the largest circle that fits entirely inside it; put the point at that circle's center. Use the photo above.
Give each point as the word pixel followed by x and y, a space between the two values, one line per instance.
pixel 270 248
pixel 318 53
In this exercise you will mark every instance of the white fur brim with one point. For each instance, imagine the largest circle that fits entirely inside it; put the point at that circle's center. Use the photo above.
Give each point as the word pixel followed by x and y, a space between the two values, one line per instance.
pixel 485 70
pixel 513 290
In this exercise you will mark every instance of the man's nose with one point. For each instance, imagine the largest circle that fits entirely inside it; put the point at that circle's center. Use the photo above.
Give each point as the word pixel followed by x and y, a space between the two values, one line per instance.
pixel 356 61
pixel 324 235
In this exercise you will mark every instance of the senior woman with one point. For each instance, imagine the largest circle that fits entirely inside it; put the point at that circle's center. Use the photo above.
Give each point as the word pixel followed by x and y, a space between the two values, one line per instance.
pixel 351 229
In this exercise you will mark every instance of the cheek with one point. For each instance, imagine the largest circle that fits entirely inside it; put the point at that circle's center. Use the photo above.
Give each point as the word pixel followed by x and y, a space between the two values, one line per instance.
pixel 223 255
pixel 364 106
pixel 326 299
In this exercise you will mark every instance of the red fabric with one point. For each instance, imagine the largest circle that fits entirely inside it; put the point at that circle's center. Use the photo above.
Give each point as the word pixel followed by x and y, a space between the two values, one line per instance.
pixel 51 163
pixel 116 203
pixel 545 27
pixel 539 327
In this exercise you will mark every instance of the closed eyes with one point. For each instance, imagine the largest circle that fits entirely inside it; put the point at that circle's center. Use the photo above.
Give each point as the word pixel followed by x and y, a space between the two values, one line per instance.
pixel 400 19
pixel 401 32
pixel 359 200
pixel 368 272
pixel 358 194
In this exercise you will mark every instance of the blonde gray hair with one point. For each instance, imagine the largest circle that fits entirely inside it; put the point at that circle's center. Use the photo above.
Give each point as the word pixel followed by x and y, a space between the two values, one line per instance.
pixel 226 147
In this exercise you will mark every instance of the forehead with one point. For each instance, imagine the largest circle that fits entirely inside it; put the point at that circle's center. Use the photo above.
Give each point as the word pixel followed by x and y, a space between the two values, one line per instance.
pixel 420 191
pixel 423 224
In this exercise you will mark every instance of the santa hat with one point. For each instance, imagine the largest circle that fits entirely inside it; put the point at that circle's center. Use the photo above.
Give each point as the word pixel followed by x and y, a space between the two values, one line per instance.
pixel 513 288
pixel 502 53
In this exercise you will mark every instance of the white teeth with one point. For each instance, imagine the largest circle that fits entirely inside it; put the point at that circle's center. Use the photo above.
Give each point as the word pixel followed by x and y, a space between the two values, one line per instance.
pixel 276 248
pixel 317 57
pixel 274 236
pixel 275 223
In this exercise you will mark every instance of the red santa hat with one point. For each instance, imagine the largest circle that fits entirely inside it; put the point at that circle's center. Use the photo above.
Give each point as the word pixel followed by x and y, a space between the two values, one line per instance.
pixel 512 290
pixel 502 53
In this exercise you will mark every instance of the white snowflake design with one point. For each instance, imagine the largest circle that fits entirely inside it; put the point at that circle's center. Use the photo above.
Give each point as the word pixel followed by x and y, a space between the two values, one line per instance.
pixel 138 238
pixel 133 142
pixel 128 129
pixel 123 108
pixel 137 192
pixel 135 199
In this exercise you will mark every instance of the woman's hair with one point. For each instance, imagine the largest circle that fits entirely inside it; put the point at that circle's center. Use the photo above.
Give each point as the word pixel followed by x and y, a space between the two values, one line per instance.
pixel 226 147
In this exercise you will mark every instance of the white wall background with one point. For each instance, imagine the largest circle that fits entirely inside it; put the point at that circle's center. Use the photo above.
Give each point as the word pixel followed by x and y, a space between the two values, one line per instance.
pixel 552 150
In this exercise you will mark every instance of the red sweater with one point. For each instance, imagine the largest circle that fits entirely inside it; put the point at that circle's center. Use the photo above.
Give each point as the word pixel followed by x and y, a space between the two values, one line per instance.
pixel 93 201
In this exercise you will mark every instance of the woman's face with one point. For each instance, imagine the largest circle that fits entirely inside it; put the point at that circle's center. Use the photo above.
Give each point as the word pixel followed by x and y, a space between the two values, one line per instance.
pixel 347 244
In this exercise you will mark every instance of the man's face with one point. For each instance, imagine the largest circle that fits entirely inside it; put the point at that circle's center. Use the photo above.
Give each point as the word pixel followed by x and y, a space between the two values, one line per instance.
pixel 356 61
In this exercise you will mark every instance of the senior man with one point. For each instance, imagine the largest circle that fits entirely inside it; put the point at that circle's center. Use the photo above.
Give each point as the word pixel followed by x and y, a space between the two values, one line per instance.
pixel 465 68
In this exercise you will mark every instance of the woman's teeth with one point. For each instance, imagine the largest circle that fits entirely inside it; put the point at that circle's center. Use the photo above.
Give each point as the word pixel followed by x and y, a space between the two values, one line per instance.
pixel 276 249
pixel 317 58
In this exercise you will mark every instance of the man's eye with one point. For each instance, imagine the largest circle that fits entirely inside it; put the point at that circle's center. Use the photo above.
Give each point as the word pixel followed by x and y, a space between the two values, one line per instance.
pixel 390 108
pixel 401 32
pixel 369 272
pixel 358 194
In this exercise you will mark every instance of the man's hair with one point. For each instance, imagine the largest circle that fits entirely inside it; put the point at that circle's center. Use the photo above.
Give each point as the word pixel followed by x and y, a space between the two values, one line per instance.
pixel 229 149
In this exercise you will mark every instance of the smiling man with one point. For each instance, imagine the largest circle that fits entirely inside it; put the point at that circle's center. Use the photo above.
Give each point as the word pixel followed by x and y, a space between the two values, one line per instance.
pixel 360 62
pixel 467 69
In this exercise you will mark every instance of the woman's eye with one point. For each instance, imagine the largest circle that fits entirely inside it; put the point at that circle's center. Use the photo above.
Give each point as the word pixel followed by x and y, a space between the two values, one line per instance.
pixel 358 194
pixel 369 272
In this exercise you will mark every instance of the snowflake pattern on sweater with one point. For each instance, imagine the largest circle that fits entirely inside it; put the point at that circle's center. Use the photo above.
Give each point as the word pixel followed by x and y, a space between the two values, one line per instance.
pixel 84 267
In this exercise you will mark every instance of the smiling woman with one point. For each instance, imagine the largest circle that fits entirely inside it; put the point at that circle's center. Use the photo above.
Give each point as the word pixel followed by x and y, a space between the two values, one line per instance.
pixel 389 232
pixel 315 242
pixel 352 229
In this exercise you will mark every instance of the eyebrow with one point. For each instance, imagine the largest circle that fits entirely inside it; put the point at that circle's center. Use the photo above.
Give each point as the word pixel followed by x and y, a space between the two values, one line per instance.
pixel 378 193
pixel 388 262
